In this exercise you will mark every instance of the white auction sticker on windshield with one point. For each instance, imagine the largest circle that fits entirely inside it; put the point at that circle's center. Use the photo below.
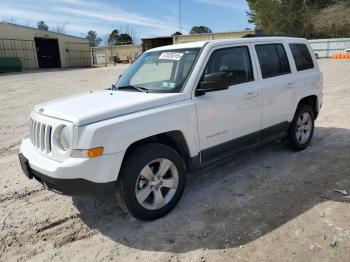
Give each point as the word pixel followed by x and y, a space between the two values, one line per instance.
pixel 171 56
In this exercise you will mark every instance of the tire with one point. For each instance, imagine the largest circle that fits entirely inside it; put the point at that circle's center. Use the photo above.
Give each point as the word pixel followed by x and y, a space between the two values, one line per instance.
pixel 143 184
pixel 302 128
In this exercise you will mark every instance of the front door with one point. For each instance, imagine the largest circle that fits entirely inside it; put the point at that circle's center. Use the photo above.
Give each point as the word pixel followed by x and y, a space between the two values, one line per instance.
pixel 232 117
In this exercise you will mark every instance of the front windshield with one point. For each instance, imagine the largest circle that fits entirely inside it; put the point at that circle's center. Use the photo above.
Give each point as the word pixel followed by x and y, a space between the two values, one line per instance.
pixel 159 71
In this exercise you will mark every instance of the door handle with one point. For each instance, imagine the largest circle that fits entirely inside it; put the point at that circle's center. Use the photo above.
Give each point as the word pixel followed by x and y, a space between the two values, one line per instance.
pixel 250 95
pixel 290 85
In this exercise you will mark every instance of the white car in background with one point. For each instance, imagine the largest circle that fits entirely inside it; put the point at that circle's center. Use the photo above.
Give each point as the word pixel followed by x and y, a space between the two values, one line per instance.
pixel 175 109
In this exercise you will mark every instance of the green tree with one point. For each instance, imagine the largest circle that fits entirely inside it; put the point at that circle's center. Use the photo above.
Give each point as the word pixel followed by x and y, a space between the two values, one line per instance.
pixel 42 26
pixel 113 37
pixel 124 39
pixel 93 39
pixel 332 21
pixel 200 30
pixel 176 33
pixel 297 17
pixel 291 17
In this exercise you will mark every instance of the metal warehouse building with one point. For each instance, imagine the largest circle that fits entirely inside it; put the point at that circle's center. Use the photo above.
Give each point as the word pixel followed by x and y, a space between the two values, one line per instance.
pixel 119 53
pixel 211 36
pixel 148 43
pixel 43 49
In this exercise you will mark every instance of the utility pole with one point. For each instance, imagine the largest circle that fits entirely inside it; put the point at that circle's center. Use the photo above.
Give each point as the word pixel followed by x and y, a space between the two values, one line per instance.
pixel 180 26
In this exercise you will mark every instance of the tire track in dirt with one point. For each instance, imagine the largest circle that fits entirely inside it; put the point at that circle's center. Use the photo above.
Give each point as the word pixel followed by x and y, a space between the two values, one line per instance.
pixel 64 231
pixel 58 232
pixel 19 195
pixel 55 223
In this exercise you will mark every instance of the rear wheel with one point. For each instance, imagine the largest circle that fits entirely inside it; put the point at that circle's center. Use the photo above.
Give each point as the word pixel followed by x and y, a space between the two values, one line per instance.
pixel 302 127
pixel 151 181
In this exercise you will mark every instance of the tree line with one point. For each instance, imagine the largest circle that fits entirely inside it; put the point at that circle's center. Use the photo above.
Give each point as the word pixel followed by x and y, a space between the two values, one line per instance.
pixel 306 18
pixel 114 38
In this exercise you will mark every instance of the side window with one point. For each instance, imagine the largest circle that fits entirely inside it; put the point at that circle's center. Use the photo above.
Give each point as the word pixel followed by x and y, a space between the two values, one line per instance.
pixel 273 60
pixel 302 57
pixel 235 61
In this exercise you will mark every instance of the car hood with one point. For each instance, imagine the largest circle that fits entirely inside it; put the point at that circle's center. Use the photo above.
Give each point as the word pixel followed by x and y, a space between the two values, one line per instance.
pixel 100 105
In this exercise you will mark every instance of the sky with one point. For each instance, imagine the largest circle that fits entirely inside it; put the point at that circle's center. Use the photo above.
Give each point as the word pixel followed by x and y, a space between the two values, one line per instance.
pixel 145 18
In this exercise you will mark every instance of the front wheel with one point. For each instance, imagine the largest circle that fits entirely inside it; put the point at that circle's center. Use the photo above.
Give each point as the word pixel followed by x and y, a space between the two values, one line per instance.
pixel 302 127
pixel 151 181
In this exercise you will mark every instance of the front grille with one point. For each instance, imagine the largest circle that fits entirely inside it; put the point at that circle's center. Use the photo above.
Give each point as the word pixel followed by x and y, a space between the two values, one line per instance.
pixel 40 135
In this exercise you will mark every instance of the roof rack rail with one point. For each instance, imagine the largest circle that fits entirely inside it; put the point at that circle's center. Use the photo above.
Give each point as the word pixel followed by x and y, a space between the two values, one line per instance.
pixel 269 35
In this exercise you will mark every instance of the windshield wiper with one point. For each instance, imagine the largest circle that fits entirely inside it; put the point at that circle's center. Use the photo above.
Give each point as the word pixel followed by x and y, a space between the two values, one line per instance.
pixel 113 87
pixel 138 88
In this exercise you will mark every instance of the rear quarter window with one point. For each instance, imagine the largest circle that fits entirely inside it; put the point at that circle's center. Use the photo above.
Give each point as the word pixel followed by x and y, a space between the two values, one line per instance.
pixel 273 60
pixel 302 57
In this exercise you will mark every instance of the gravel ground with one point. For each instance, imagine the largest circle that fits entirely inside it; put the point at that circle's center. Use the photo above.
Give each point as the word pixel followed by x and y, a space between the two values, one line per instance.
pixel 272 204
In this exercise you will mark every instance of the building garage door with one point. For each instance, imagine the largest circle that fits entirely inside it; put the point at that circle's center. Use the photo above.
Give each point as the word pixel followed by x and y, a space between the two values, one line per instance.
pixel 78 54
pixel 48 53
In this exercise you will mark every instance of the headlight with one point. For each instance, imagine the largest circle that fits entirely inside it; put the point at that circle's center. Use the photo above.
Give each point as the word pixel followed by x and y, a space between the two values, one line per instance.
pixel 64 138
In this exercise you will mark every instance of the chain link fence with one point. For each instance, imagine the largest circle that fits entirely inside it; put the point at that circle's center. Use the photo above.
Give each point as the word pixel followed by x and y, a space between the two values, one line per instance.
pixel 325 48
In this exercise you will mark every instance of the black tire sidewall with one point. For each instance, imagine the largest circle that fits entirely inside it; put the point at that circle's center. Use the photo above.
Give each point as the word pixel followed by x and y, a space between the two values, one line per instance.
pixel 135 163
pixel 292 131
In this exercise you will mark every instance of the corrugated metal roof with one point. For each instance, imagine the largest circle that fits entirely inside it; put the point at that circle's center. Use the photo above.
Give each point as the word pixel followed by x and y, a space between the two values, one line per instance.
pixel 36 29
pixel 156 37
pixel 115 46
pixel 211 36
pixel 220 33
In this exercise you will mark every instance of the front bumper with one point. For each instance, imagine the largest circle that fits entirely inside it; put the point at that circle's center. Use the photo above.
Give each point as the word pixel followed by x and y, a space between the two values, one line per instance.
pixel 70 187
pixel 76 176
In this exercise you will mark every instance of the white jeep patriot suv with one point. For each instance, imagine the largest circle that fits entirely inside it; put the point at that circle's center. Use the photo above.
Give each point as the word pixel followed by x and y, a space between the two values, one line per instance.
pixel 176 108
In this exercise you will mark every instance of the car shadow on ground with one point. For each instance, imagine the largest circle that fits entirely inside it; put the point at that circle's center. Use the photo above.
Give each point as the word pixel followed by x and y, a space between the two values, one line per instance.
pixel 237 200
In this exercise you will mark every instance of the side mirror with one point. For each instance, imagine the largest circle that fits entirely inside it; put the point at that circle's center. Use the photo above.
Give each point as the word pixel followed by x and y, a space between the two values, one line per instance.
pixel 213 82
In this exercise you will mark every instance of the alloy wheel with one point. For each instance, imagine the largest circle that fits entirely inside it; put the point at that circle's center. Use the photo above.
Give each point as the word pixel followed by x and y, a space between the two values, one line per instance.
pixel 303 128
pixel 157 184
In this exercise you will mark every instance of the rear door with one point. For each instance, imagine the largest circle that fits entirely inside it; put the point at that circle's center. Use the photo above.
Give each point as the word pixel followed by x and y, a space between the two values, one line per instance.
pixel 226 117
pixel 277 84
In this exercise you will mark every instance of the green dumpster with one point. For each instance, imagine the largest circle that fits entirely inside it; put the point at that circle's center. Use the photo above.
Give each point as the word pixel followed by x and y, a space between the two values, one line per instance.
pixel 10 64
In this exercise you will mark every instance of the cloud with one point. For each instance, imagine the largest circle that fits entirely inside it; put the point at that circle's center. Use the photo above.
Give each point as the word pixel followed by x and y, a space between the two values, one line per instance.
pixel 80 16
pixel 120 17
pixel 17 13
pixel 239 5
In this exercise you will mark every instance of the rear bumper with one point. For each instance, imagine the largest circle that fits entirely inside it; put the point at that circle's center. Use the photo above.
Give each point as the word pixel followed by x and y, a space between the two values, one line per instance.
pixel 70 187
